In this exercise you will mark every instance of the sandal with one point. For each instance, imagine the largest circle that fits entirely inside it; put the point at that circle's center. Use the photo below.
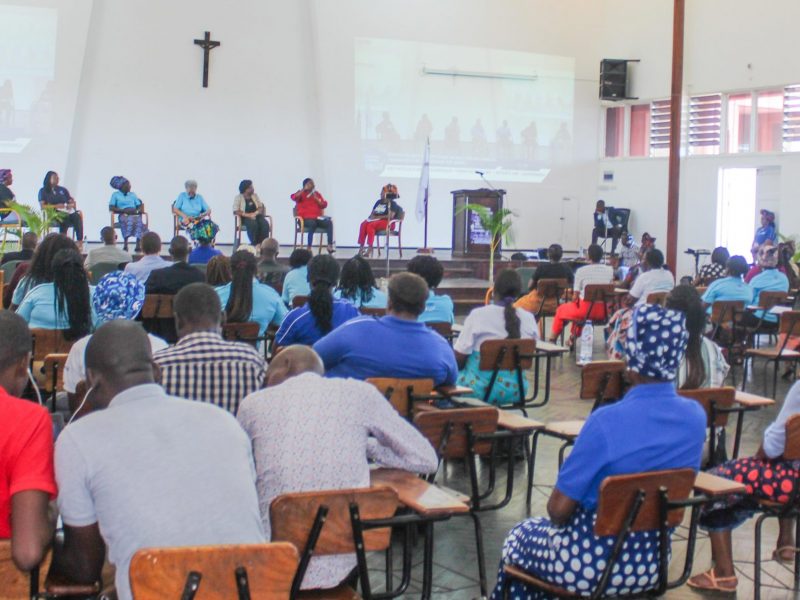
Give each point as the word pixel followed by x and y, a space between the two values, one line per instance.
pixel 711 583
pixel 779 556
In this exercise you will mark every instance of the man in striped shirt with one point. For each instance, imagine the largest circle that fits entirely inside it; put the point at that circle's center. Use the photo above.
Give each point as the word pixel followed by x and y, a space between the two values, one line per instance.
pixel 202 365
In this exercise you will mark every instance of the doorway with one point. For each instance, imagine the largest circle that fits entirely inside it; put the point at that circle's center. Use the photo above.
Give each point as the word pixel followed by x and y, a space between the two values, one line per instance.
pixel 736 210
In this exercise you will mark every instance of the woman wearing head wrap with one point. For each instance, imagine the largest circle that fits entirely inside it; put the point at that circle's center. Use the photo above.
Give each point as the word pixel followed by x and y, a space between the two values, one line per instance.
pixel 57 196
pixel 383 211
pixel 768 279
pixel 767 253
pixel 130 208
pixel 6 196
pixel 249 208
pixel 118 295
pixel 651 428
pixel 194 215
pixel 766 233
pixel 204 233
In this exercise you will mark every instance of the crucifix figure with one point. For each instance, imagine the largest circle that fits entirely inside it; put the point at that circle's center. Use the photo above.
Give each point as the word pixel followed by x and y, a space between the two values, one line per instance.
pixel 207 44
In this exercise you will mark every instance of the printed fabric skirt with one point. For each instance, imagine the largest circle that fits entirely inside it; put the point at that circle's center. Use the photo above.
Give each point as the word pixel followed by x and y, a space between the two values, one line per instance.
pixel 204 230
pixel 573 557
pixel 506 386
pixel 764 479
pixel 131 226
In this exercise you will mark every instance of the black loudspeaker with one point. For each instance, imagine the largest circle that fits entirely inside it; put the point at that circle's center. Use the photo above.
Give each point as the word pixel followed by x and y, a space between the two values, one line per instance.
pixel 613 79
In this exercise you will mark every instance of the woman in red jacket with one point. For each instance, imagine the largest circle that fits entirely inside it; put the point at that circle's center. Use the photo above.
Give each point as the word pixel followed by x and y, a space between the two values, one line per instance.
pixel 310 206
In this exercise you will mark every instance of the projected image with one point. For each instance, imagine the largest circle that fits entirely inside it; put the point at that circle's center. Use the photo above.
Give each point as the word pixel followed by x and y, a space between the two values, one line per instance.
pixel 27 73
pixel 506 113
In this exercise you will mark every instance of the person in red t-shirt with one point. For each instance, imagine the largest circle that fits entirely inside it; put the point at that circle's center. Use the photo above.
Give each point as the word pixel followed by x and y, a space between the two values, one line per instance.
pixel 27 481
pixel 310 206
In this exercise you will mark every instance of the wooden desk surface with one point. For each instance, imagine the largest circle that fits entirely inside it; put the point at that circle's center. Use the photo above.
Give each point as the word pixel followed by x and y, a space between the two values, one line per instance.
pixel 566 428
pixel 550 348
pixel 417 494
pixel 711 485
pixel 517 423
pixel 753 400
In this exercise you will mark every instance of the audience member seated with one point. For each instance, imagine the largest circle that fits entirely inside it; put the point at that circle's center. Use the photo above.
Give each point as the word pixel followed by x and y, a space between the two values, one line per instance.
pixel 767 476
pixel 117 295
pixel 770 279
pixel 204 234
pixel 270 271
pixel 594 273
pixel 396 345
pixel 652 278
pixel 108 252
pixel 63 303
pixel 357 285
pixel 27 483
pixel 310 433
pixel 715 269
pixel 730 287
pixel 651 428
pixel 218 271
pixel 554 269
pixel 40 269
pixel 756 268
pixel 786 264
pixel 629 255
pixel 439 308
pixel 245 299
pixel 496 321
pixel 146 469
pixel 295 283
pixel 28 243
pixel 322 313
pixel 151 247
pixel 170 280
pixel 648 243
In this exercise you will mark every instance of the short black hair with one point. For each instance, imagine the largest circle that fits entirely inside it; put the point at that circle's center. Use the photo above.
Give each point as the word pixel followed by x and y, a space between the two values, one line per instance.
pixel 654 258
pixel 15 338
pixel 198 303
pixel 595 253
pixel 408 293
pixel 720 256
pixel 151 243
pixel 29 240
pixel 737 266
pixel 427 267
pixel 299 258
pixel 555 252
pixel 107 235
pixel 179 247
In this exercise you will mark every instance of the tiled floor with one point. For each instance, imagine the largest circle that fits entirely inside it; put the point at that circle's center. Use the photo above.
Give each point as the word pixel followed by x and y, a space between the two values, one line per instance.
pixel 455 574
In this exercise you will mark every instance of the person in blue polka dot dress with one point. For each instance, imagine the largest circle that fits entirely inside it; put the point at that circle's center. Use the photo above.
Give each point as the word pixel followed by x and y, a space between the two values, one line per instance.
pixel 651 428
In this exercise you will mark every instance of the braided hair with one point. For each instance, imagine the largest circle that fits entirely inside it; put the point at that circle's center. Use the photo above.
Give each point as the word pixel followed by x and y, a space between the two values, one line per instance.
pixel 507 288
pixel 357 282
pixel 240 301
pixel 323 272
pixel 686 299
pixel 72 293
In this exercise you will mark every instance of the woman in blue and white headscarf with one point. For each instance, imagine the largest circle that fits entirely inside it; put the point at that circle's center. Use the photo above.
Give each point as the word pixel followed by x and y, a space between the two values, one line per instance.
pixel 651 428
pixel 117 295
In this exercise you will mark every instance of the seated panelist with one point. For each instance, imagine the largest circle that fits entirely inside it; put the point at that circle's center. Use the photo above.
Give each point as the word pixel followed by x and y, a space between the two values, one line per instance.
pixel 194 214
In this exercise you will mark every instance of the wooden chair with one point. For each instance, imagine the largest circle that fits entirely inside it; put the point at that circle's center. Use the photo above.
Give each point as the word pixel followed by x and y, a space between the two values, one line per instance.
pixel 48 341
pixel 246 332
pixel 551 295
pixel 238 228
pixel 299 301
pixel 53 371
pixel 640 502
pixel 509 355
pixel 300 231
pixel 214 572
pixel 158 317
pixel 372 312
pixel 444 329
pixel 15 584
pixel 595 294
pixel 788 326
pixel 403 393
pixel 115 222
pixel 100 270
pixel 525 274
pixel 657 298
pixel 56 226
pixel 726 327
pixel 767 300
pixel 9 268
pixel 330 522
pixel 395 229
pixel 15 228
pixel 717 403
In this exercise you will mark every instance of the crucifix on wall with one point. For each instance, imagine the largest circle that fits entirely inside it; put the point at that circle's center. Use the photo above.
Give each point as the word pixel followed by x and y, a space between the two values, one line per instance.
pixel 207 44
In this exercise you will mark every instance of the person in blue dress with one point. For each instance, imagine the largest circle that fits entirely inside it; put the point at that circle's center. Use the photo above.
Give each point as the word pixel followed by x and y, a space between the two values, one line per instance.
pixel 296 281
pixel 57 196
pixel 357 285
pixel 129 210
pixel 322 313
pixel 439 308
pixel 245 299
pixel 766 233
pixel 194 215
pixel 730 287
pixel 651 428
pixel 204 236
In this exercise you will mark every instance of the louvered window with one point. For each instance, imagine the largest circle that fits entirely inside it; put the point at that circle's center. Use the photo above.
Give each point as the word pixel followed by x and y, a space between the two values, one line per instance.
pixel 705 113
pixel 791 118
pixel 659 128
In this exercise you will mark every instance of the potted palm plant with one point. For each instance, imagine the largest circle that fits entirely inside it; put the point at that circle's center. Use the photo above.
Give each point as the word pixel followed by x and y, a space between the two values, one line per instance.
pixel 38 221
pixel 497 224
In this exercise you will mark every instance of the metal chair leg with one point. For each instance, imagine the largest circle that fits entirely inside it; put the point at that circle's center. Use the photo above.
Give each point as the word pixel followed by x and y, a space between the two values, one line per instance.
pixel 757 558
pixel 479 545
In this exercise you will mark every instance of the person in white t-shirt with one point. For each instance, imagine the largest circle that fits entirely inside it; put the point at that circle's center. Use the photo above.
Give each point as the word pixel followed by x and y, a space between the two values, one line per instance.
pixel 496 321
pixel 594 273
pixel 653 278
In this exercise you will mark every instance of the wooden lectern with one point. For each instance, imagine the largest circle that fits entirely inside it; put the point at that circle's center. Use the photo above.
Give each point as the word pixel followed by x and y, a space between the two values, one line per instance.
pixel 469 238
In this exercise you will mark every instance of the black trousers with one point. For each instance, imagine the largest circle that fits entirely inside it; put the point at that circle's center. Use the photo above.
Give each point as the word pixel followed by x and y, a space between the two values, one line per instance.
pixel 311 226
pixel 612 232
pixel 257 229
pixel 75 221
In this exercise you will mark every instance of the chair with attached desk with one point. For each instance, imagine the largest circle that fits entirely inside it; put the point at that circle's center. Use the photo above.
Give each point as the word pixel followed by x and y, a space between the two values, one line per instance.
pixel 727 330
pixel 246 332
pixel 16 584
pixel 158 317
pixel 717 403
pixel 323 523
pixel 788 327
pixel 48 341
pixel 403 393
pixel 767 300
pixel 514 355
pixel 299 301
pixel 444 329
pixel 652 501
pixel 214 572
pixel 596 294
pixel 53 371
pixel 550 293
pixel 372 312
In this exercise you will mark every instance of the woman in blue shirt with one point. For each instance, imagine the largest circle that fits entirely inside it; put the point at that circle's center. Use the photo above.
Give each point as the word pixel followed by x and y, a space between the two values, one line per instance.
pixel 41 266
pixel 439 307
pixel 59 197
pixel 245 299
pixel 194 215
pixel 766 233
pixel 62 303
pixel 651 428
pixel 357 285
pixel 322 313
pixel 129 209
pixel 770 279
pixel 730 287
pixel 296 281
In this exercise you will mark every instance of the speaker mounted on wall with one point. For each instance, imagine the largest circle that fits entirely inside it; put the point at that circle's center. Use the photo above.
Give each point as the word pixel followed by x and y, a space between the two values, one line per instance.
pixel 614 79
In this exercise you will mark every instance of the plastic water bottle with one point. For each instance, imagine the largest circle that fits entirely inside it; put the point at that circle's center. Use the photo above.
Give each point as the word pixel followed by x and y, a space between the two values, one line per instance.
pixel 582 253
pixel 586 344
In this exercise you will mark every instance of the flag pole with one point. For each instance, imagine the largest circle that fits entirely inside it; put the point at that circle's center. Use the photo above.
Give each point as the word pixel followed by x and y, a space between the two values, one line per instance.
pixel 426 176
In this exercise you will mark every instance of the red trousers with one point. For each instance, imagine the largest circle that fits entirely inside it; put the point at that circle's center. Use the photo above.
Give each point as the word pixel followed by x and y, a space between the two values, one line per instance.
pixel 576 311
pixel 369 229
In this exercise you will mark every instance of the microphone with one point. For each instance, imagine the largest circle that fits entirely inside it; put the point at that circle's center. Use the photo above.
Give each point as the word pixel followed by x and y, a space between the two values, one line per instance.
pixel 479 173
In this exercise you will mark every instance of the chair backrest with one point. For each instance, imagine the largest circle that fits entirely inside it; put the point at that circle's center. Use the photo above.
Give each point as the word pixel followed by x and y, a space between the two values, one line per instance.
pixel 551 288
pixel 770 299
pixel 372 312
pixel 159 573
pixel 443 328
pixel 9 268
pixel 723 397
pixel 100 270
pixel 791 449
pixel 434 423
pixel 292 516
pixel 605 376
pixel 14 584
pixel 723 312
pixel 503 354
pixel 54 372
pixel 617 493
pixel 157 306
pixel 399 391
pixel 790 322
pixel 299 301
pixel 657 298
pixel 241 332
pixel 598 292
pixel 49 341
pixel 525 274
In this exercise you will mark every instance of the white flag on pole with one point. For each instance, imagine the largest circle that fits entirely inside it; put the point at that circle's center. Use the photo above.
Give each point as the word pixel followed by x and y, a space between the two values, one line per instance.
pixel 424 182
